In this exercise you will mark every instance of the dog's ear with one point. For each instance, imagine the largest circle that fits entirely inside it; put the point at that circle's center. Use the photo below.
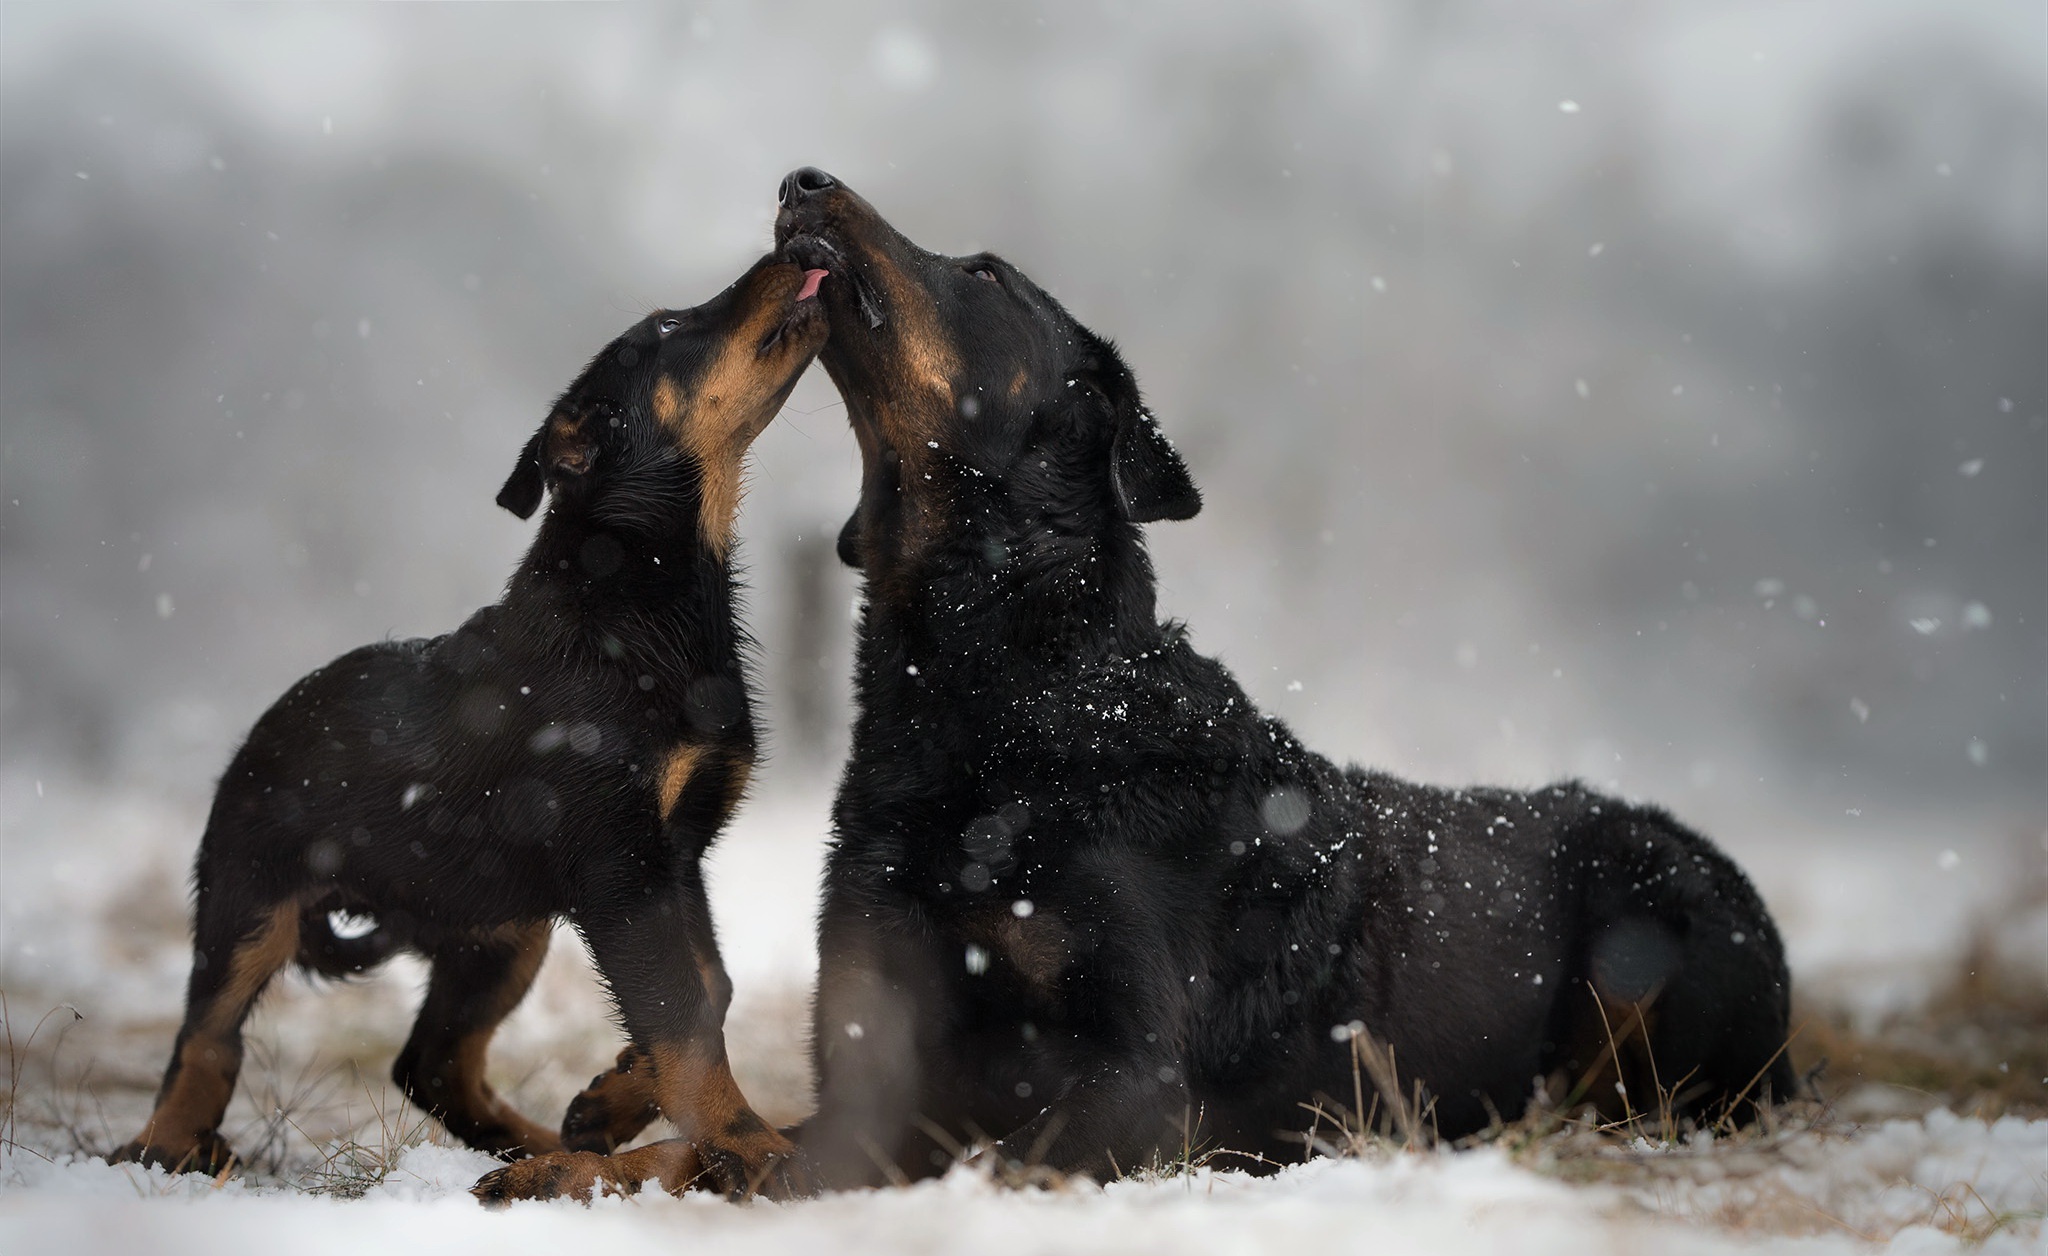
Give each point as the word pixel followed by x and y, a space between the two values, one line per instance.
pixel 523 488
pixel 849 541
pixel 562 448
pixel 1151 481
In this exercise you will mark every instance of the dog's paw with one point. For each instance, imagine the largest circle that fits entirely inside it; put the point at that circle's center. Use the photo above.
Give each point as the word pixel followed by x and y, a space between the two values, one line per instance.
pixel 558 1175
pixel 614 1108
pixel 760 1162
pixel 209 1153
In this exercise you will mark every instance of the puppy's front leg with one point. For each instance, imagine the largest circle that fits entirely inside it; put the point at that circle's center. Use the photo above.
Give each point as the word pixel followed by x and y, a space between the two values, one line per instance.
pixel 655 948
pixel 661 960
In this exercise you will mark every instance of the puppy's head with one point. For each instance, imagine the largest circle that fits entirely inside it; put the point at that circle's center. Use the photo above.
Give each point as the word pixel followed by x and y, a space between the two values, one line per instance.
pixel 957 367
pixel 695 385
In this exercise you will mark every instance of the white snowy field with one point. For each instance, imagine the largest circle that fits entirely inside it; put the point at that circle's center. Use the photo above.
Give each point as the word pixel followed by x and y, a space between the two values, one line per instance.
pixel 92 919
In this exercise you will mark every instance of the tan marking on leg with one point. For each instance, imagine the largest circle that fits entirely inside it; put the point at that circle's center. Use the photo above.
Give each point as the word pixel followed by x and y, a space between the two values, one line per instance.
pixel 255 961
pixel 695 1088
pixel 676 773
pixel 193 1104
pixel 742 1153
pixel 470 1089
pixel 197 1096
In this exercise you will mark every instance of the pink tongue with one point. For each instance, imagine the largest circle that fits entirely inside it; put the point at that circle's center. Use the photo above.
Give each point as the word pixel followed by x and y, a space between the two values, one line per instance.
pixel 812 278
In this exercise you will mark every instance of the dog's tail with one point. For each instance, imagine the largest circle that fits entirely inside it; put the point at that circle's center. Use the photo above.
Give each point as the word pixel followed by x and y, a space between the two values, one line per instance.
pixel 343 951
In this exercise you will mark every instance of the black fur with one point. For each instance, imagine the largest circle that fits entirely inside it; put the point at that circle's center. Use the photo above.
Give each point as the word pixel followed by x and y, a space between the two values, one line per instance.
pixel 466 790
pixel 1084 898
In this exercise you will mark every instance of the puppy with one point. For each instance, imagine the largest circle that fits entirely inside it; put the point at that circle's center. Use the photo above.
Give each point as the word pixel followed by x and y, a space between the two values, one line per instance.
pixel 568 753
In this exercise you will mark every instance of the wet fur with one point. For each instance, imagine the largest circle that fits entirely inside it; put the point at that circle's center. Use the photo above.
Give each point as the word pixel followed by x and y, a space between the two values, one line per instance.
pixel 1211 905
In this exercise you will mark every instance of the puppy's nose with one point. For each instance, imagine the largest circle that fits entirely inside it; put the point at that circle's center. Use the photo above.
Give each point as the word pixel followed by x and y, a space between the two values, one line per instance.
pixel 803 182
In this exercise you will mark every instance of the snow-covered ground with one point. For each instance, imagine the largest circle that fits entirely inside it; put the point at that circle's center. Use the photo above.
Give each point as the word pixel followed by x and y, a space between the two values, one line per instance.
pixel 92 919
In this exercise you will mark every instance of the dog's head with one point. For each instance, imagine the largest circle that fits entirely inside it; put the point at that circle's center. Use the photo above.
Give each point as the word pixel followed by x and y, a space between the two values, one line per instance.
pixel 695 386
pixel 964 379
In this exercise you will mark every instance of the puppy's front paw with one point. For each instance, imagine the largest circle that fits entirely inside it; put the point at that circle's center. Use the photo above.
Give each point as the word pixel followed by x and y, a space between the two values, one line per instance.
pixel 561 1174
pixel 616 1105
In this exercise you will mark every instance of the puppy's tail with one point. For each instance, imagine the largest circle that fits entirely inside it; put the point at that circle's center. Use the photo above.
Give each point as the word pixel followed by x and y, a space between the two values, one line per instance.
pixel 345 951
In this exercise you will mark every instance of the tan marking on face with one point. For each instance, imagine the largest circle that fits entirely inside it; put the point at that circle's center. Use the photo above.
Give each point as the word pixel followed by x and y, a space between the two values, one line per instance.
pixel 921 403
pixel 1017 384
pixel 927 351
pixel 732 402
pixel 675 773
pixel 668 404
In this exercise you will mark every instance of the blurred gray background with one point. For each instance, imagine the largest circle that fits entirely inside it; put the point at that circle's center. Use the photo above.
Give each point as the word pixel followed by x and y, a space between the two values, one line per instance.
pixel 1648 391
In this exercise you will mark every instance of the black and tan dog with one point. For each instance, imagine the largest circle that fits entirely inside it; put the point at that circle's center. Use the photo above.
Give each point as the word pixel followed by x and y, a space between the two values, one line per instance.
pixel 1083 898
pixel 568 752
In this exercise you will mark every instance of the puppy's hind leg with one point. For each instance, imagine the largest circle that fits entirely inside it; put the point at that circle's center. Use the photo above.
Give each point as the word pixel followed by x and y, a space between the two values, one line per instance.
pixel 236 950
pixel 477 980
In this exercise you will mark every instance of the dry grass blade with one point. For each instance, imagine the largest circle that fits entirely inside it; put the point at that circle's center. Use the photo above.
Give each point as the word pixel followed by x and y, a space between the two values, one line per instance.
pixel 352 1166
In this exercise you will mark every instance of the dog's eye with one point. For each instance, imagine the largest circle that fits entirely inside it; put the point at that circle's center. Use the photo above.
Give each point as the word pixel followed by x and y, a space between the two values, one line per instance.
pixel 668 325
pixel 983 272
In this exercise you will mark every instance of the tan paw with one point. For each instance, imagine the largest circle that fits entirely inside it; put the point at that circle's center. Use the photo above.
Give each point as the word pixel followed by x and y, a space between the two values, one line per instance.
pixel 208 1153
pixel 557 1175
pixel 747 1161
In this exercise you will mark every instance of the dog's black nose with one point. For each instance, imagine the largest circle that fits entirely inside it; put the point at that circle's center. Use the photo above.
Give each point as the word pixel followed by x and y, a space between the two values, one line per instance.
pixel 802 182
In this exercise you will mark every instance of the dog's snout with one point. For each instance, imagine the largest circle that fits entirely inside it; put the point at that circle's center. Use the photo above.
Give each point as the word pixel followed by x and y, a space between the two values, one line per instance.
pixel 805 181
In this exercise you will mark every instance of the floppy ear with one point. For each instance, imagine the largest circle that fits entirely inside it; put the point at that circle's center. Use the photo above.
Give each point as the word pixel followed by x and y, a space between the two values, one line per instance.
pixel 561 448
pixel 523 488
pixel 849 541
pixel 1150 480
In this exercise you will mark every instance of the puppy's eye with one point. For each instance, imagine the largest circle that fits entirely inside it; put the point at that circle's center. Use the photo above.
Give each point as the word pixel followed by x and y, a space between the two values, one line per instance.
pixel 983 272
pixel 668 325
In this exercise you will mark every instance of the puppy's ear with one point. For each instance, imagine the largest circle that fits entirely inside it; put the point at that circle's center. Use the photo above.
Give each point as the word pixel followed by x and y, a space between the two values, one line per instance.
pixel 849 541
pixel 523 488
pixel 562 448
pixel 1151 481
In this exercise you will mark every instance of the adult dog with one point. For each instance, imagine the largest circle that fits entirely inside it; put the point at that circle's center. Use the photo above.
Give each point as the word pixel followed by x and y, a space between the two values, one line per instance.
pixel 1083 899
pixel 568 752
